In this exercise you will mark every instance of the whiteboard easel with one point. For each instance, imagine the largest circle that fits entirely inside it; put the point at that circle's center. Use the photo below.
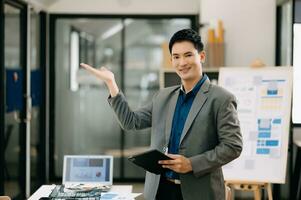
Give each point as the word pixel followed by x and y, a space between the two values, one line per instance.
pixel 264 110
pixel 251 186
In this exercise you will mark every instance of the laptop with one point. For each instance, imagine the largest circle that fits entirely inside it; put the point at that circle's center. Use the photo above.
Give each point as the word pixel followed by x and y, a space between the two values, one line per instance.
pixel 88 171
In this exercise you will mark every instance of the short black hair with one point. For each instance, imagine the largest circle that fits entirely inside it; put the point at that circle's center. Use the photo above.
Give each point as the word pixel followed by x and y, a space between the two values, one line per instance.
pixel 187 35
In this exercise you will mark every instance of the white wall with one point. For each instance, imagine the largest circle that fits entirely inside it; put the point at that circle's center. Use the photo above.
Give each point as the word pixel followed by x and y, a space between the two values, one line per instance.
pixel 250 28
pixel 126 6
pixel 250 25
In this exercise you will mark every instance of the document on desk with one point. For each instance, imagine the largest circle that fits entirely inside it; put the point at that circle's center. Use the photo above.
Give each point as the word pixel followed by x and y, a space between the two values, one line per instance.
pixel 119 196
pixel 43 191
pixel 119 192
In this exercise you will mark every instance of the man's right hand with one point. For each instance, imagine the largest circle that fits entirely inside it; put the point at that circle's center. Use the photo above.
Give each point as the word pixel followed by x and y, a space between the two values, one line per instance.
pixel 104 74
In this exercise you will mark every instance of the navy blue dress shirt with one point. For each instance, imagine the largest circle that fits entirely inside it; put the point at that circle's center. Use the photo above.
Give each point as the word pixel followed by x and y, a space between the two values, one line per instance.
pixel 182 109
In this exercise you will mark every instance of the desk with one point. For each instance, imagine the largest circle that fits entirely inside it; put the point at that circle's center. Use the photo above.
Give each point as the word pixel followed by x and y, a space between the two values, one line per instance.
pixel 126 190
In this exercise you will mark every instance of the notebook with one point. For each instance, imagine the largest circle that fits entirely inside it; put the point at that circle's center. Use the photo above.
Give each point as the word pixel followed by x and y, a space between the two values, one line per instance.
pixel 87 171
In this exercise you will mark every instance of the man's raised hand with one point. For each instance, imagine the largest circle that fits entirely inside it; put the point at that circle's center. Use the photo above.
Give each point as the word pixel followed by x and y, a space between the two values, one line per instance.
pixel 104 74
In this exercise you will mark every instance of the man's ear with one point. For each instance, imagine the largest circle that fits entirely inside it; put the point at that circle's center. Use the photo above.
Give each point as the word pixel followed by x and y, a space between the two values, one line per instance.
pixel 202 55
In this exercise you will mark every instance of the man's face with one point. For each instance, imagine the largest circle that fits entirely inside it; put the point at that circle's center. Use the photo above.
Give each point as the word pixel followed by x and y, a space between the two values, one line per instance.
pixel 187 61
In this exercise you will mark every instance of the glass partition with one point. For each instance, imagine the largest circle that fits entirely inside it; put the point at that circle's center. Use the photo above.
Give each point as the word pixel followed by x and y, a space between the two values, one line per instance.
pixel 14 103
pixel 135 50
pixel 84 122
pixel 37 103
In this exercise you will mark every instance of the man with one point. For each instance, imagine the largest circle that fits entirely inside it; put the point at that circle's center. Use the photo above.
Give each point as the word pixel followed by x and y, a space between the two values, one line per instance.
pixel 196 121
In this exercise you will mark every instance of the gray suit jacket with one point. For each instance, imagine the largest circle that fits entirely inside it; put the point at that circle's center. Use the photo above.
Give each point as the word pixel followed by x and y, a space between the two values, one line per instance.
pixel 211 136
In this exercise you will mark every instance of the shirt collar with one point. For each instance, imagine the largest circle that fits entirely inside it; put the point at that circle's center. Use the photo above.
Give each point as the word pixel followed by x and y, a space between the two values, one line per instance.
pixel 197 86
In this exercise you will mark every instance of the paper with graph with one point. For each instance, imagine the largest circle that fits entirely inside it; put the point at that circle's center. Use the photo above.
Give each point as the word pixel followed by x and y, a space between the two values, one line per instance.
pixel 264 110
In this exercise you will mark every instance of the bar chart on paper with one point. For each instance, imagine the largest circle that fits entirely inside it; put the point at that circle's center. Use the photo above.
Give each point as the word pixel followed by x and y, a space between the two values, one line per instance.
pixel 264 109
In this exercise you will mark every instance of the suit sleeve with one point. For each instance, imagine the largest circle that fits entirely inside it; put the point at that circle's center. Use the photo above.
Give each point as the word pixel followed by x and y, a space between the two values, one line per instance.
pixel 127 118
pixel 230 141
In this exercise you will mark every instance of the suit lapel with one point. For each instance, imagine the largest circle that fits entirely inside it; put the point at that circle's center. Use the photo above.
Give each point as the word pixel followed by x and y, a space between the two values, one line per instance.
pixel 197 105
pixel 170 113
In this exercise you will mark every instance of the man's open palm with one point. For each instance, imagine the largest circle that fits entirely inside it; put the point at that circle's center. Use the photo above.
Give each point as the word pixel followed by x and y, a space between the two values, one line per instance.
pixel 102 73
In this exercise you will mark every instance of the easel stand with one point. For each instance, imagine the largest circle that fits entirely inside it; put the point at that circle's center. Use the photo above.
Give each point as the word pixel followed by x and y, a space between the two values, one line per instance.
pixel 255 187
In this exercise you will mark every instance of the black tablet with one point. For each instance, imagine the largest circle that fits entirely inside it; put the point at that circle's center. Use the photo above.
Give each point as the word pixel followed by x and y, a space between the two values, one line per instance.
pixel 149 161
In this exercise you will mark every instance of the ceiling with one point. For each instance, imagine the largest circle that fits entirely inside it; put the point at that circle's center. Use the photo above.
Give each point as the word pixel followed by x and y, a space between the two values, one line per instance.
pixel 42 3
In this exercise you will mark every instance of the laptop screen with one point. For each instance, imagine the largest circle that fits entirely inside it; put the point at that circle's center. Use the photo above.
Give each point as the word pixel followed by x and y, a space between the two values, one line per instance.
pixel 88 169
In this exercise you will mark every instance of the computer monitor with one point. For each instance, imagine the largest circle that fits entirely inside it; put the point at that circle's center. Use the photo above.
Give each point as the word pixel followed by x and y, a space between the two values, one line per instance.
pixel 92 170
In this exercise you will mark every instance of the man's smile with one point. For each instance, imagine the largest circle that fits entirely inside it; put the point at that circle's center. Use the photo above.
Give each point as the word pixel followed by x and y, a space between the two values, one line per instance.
pixel 185 70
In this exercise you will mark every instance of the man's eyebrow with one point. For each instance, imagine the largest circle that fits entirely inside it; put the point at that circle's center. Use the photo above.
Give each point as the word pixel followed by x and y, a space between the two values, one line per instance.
pixel 176 54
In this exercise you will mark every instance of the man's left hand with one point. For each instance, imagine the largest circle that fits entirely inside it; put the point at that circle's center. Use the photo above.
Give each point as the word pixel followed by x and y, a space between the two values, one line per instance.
pixel 179 163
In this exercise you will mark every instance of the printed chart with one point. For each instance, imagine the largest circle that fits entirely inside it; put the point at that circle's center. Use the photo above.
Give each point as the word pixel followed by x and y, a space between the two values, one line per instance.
pixel 264 109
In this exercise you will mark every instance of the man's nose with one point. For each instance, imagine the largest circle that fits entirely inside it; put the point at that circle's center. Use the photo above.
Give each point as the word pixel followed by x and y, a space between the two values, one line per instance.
pixel 182 61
